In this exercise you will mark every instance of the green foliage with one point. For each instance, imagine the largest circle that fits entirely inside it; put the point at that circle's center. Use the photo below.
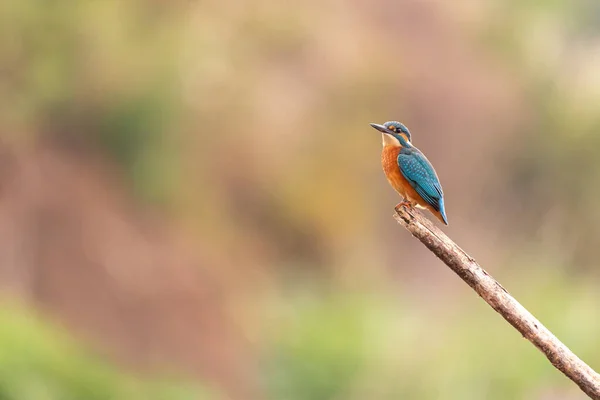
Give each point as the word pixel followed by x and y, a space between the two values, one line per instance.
pixel 134 130
pixel 37 362
pixel 320 351
pixel 389 348
pixel 101 73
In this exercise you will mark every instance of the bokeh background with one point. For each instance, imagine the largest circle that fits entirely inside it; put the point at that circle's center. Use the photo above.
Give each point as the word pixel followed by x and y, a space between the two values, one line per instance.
pixel 192 204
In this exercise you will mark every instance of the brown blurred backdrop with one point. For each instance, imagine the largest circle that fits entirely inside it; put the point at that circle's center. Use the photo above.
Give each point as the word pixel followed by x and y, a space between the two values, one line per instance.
pixel 192 203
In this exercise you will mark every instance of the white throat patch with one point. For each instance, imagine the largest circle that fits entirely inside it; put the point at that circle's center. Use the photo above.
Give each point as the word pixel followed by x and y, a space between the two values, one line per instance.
pixel 389 140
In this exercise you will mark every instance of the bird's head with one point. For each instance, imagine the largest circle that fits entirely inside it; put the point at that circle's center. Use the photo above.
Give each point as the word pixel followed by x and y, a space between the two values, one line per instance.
pixel 394 133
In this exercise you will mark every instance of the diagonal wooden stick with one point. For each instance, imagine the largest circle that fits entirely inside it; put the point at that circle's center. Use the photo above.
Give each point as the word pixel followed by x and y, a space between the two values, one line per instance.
pixel 500 300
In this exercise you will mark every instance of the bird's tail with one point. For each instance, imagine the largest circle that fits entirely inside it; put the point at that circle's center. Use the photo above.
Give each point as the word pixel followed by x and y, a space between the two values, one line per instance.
pixel 443 212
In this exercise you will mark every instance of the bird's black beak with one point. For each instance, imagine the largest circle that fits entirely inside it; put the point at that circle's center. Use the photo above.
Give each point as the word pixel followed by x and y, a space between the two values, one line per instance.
pixel 382 129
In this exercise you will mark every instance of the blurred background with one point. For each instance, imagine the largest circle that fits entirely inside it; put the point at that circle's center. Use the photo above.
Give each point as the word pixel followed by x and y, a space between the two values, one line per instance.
pixel 192 204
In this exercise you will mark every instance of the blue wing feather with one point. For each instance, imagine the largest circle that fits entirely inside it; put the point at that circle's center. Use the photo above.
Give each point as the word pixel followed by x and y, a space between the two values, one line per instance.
pixel 419 172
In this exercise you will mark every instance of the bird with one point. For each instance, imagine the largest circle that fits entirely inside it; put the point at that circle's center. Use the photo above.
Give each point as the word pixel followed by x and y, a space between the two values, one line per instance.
pixel 409 172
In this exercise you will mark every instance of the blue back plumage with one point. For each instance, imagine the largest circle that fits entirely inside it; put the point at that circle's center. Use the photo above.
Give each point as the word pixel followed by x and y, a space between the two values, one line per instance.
pixel 419 172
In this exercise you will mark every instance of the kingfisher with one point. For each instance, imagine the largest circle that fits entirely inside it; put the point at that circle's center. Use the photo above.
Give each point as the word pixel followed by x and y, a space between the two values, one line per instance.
pixel 409 172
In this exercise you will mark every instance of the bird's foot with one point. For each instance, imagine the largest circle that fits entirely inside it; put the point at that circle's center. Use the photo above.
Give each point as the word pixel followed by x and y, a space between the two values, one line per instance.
pixel 404 203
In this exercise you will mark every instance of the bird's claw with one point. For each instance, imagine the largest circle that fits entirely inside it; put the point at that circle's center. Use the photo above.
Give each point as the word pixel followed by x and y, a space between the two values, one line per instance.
pixel 404 203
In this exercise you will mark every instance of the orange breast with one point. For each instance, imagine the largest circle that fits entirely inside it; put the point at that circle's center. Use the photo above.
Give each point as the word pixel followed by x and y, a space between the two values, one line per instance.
pixel 389 161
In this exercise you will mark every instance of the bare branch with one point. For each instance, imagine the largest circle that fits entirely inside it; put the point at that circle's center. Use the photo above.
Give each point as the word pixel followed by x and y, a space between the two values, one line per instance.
pixel 500 300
